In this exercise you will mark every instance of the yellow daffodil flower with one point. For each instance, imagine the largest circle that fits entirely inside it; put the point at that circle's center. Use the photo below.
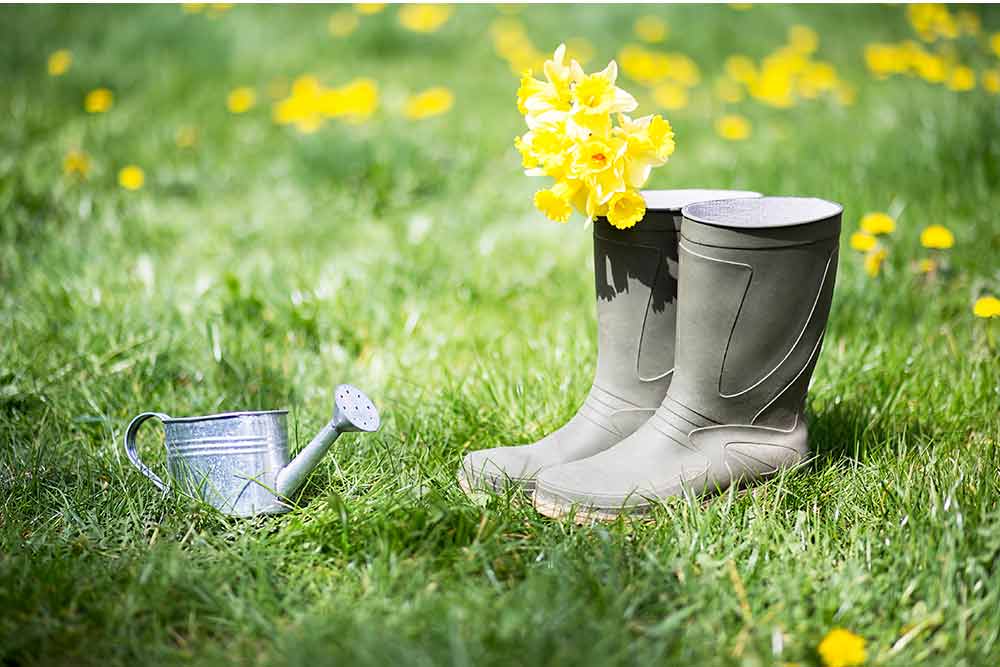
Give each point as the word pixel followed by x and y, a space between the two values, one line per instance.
pixel 595 98
pixel 131 177
pixel 59 62
pixel 937 237
pixel 986 306
pixel 862 241
pixel 431 102
pixel 98 100
pixel 625 209
pixel 547 102
pixel 556 202
pixel 878 223
pixel 842 648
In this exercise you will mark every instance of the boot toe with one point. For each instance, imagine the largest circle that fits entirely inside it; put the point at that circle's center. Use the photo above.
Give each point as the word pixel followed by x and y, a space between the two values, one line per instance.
pixel 496 469
pixel 585 489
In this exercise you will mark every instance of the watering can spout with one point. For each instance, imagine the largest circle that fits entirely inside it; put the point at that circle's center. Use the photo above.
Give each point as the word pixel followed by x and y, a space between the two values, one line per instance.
pixel 352 411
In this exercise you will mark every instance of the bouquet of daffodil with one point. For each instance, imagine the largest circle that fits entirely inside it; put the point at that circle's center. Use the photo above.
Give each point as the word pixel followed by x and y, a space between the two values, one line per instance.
pixel 598 166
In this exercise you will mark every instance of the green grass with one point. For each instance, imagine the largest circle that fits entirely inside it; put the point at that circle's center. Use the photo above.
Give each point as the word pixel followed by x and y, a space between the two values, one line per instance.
pixel 261 267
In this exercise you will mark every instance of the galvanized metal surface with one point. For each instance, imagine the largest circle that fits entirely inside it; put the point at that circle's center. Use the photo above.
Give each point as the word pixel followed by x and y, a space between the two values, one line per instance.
pixel 238 462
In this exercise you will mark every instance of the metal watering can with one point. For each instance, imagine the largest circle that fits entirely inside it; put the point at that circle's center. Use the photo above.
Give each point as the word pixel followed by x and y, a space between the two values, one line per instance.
pixel 238 462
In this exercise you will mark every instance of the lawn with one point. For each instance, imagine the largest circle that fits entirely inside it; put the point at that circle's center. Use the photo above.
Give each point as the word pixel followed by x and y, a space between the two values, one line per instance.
pixel 261 254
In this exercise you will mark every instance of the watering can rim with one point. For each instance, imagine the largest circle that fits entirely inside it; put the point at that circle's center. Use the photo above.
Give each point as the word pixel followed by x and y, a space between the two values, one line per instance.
pixel 225 415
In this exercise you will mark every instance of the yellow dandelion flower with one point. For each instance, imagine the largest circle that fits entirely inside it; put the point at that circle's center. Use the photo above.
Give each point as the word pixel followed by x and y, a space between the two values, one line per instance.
pixel 991 81
pixel 369 8
pixel 131 177
pixel 927 265
pixel 874 259
pixel 186 137
pixel 968 22
pixel 625 209
pixel 59 62
pixel 670 96
pixel 878 223
pixel 431 102
pixel 241 100
pixel 986 306
pixel 98 100
pixel 424 18
pixel 733 127
pixel 343 23
pixel 937 237
pixel 803 39
pixel 863 241
pixel 995 44
pixel 76 163
pixel 961 78
pixel 842 648
pixel 741 68
pixel 651 29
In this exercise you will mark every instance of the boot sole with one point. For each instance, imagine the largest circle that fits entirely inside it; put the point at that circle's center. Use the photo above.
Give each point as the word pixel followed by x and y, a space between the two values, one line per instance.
pixel 492 485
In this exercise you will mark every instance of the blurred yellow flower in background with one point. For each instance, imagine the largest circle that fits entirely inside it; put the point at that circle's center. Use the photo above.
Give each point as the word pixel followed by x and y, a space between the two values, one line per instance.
pixel 937 237
pixel 431 102
pixel 98 100
pixel 932 21
pixel 995 44
pixel 962 78
pixel 927 265
pixel 310 103
pixel 878 223
pixel 241 100
pixel 968 22
pixel 733 127
pixel 986 306
pixel 651 29
pixel 76 163
pixel 59 62
pixel 424 18
pixel 874 259
pixel 862 241
pixel 369 8
pixel 991 81
pixel 670 96
pixel 186 136
pixel 131 177
pixel 842 648
pixel 192 7
pixel 342 23
pixel 803 39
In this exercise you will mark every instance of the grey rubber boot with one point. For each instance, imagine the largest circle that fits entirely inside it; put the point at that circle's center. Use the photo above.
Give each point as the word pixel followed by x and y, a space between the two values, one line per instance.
pixel 636 284
pixel 755 283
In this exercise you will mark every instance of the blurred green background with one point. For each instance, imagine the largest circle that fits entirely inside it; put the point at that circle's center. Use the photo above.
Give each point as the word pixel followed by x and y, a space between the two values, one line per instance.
pixel 211 208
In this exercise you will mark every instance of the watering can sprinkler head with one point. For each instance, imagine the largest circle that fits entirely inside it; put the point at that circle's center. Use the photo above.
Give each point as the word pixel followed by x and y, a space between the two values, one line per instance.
pixel 352 412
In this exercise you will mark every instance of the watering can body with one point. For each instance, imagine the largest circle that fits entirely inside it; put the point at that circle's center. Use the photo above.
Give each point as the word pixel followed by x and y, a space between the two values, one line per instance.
pixel 239 462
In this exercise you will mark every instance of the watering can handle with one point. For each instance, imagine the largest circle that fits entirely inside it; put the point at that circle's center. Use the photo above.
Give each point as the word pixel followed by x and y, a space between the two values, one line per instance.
pixel 133 455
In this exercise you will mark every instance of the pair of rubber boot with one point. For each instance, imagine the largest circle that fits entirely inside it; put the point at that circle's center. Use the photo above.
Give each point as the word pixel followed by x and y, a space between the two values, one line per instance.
pixel 710 314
